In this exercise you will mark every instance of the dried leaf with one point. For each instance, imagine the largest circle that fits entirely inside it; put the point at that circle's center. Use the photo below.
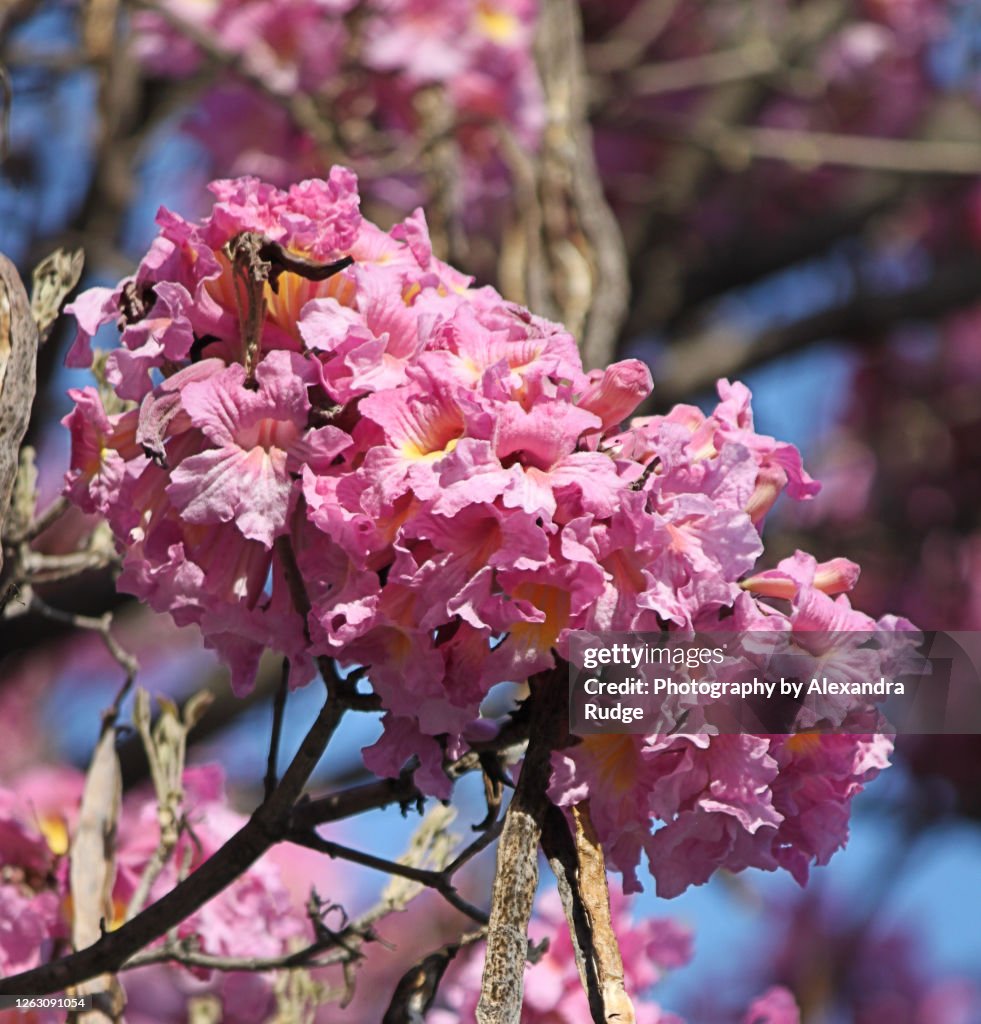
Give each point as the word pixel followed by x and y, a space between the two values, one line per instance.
pixel 53 279
pixel 24 499
pixel 595 897
pixel 196 708
pixel 417 988
pixel 166 745
pixel 93 871
pixel 560 850
pixel 18 369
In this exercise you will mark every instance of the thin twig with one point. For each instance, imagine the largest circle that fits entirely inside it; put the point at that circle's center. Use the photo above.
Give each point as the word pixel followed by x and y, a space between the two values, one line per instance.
pixel 629 40
pixel 180 953
pixel 357 800
pixel 101 625
pixel 39 568
pixel 294 578
pixel 438 880
pixel 749 60
pixel 279 710
pixel 348 938
pixel 479 844
pixel 55 510
pixel 402 790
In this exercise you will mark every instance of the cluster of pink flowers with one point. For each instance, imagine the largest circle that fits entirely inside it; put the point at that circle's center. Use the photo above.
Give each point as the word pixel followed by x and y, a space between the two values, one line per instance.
pixel 458 495
pixel 737 801
pixel 257 915
pixel 368 62
pixel 32 881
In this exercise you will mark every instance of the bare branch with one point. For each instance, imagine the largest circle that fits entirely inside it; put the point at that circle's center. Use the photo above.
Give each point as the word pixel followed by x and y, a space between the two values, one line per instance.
pixel 562 253
pixel 754 58
pixel 479 844
pixel 345 942
pixel 589 260
pixel 43 521
pixel 403 790
pixel 357 800
pixel 183 952
pixel 685 170
pixel 38 568
pixel 748 259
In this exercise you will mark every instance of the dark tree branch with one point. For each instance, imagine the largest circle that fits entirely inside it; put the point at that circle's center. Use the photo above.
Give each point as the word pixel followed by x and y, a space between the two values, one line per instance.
pixel 357 800
pixel 279 710
pixel 440 881
pixel 274 820
pixel 748 259
pixel 694 362
pixel 268 825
